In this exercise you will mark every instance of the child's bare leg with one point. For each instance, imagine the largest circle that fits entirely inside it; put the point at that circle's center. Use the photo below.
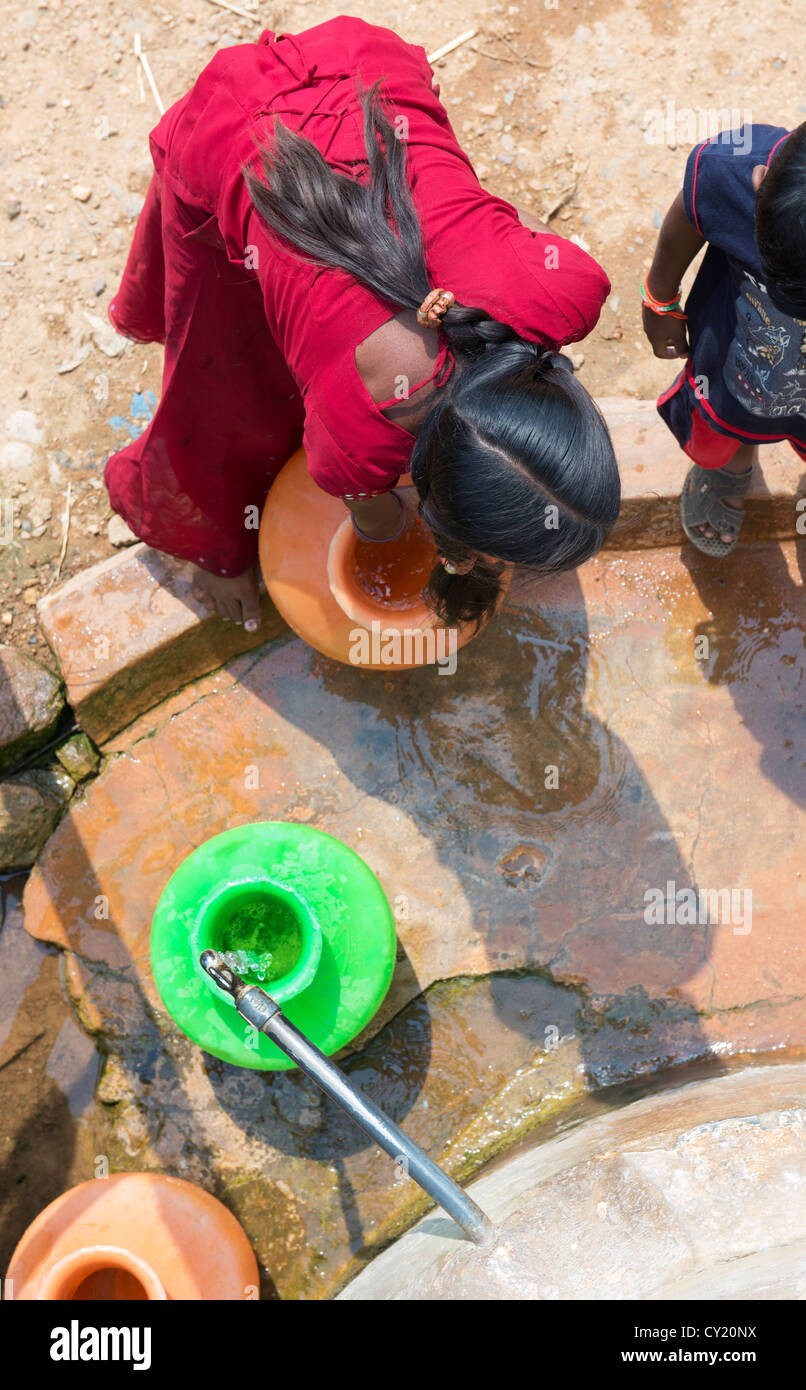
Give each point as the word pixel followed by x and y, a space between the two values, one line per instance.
pixel 235 599
pixel 745 458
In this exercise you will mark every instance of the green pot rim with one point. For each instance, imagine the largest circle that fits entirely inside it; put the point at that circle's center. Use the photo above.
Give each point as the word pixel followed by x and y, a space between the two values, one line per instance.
pixel 304 971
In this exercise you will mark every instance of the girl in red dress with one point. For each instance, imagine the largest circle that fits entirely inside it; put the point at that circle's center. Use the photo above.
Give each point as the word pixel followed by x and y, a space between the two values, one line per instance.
pixel 325 269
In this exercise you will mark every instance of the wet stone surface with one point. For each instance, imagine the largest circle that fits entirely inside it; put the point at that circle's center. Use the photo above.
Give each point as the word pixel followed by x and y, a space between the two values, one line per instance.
pixel 591 749
pixel 50 1125
pixel 32 701
pixel 30 806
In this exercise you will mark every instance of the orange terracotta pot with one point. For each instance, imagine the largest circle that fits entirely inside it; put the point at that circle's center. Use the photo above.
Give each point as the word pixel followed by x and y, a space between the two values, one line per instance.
pixel 134 1236
pixel 352 600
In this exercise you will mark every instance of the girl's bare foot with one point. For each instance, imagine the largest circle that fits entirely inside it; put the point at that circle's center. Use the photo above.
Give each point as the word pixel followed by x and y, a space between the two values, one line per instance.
pixel 235 599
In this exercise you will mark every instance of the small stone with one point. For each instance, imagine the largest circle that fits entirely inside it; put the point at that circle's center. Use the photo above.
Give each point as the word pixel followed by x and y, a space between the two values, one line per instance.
pixel 118 533
pixel 32 704
pixel 16 459
pixel 98 286
pixel 81 192
pixel 22 425
pixel 78 757
pixel 79 354
pixel 13 209
pixel 7 618
pixel 115 1084
pixel 29 811
pixel 104 336
pixel 55 781
pixel 40 514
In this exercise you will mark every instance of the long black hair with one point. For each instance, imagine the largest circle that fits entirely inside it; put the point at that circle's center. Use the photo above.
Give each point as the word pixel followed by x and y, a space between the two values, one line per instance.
pixel 513 461
pixel 781 225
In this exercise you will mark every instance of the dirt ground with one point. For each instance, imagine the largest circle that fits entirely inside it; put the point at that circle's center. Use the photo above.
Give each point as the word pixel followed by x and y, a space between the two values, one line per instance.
pixel 587 107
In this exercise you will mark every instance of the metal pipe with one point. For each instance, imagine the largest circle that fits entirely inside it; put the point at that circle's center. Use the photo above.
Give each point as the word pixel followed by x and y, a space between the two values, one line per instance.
pixel 254 1005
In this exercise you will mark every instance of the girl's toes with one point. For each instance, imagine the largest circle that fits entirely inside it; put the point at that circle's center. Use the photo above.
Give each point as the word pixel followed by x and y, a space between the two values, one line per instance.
pixel 251 614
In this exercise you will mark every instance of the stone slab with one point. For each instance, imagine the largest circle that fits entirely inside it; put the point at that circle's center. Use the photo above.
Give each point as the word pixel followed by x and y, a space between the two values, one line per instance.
pixel 127 632
pixel 653 468
pixel 693 1194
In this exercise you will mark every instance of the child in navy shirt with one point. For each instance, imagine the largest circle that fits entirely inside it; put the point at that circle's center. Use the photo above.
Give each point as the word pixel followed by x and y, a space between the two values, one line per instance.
pixel 744 326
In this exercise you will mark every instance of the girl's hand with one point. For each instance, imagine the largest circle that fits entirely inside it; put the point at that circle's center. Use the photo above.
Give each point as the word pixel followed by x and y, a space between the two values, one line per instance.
pixel 667 334
pixel 236 600
pixel 378 517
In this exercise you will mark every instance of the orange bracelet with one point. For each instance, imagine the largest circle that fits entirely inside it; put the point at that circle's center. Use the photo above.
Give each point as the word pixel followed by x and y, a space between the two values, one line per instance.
pixel 661 306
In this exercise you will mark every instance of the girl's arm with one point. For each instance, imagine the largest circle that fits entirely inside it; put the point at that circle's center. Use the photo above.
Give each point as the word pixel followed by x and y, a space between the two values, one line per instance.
pixel 533 223
pixel 678 244
pixel 378 517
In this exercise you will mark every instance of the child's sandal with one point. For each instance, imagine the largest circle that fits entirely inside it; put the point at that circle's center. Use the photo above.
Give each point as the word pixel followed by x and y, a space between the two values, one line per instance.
pixel 701 504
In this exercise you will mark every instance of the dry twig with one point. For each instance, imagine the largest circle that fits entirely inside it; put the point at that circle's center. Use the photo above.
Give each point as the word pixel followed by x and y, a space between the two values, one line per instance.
pixel 496 57
pixel 454 43
pixel 68 501
pixel 522 58
pixel 141 57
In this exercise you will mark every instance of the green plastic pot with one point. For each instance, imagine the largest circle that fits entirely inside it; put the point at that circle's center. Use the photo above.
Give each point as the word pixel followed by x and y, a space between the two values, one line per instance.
pixel 332 936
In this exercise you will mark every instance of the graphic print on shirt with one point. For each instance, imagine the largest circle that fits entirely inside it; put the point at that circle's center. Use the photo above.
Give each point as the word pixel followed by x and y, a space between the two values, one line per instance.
pixel 765 368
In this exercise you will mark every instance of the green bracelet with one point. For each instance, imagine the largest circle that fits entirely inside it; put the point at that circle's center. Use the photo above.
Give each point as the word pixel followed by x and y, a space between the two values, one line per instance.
pixel 673 307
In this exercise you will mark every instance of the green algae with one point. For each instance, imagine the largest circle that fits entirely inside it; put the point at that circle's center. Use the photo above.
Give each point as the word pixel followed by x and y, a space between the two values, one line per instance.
pixel 262 939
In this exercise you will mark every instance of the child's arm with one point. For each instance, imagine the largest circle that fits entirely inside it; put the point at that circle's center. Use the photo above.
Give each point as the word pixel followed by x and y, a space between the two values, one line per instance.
pixel 678 244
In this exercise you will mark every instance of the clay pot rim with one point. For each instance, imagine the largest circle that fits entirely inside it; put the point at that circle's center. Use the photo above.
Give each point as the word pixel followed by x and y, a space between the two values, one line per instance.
pixel 359 607
pixel 78 1264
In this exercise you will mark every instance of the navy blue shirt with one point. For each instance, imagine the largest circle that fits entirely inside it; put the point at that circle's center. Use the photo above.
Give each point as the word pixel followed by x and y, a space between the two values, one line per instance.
pixel 747 353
